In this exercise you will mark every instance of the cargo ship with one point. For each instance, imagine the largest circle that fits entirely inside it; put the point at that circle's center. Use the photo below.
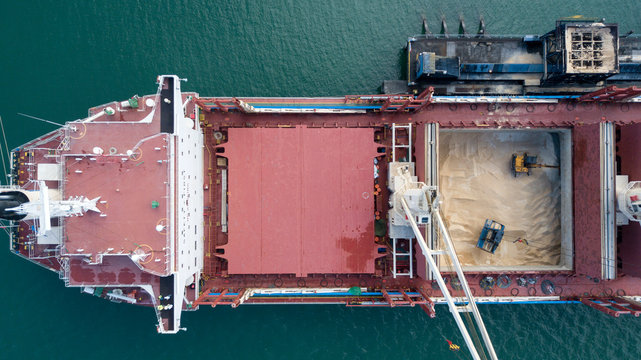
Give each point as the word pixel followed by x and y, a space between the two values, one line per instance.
pixel 503 169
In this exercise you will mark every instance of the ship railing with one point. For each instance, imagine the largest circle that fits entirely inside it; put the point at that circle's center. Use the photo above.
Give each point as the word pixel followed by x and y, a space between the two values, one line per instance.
pixel 31 238
pixel 50 152
pixel 44 139
pixel 30 242
pixel 465 36
pixel 172 204
pixel 116 104
pixel 14 170
pixel 63 234
pixel 10 233
pixel 155 303
pixel 61 190
pixel 10 228
pixel 48 253
pixel 65 269
pixel 377 98
pixel 30 166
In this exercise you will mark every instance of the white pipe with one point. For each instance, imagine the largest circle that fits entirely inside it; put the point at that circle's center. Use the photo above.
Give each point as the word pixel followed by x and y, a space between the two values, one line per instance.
pixel 608 198
pixel 441 283
pixel 187 100
pixel 464 284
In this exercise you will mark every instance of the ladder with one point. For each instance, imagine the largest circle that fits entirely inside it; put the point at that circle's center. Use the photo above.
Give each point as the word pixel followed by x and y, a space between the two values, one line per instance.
pixel 407 145
pixel 402 256
pixel 469 304
pixel 431 179
pixel 395 142
pixel 214 297
pixel 401 298
pixel 613 306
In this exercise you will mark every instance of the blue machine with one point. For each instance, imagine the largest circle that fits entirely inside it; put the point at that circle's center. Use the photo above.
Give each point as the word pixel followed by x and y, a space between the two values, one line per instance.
pixel 491 236
pixel 501 68
pixel 430 65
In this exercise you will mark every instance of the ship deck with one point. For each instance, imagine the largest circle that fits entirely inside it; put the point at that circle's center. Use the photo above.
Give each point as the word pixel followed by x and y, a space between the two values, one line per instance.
pixel 124 159
pixel 117 180
pixel 299 201
pixel 582 122
pixel 296 200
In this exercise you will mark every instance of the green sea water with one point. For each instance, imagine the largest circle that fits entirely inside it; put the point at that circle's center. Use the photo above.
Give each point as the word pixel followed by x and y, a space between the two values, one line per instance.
pixel 58 58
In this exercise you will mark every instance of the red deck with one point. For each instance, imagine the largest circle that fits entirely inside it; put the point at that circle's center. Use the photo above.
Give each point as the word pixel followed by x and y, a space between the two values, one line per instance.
pixel 114 270
pixel 584 119
pixel 587 200
pixel 129 226
pixel 300 201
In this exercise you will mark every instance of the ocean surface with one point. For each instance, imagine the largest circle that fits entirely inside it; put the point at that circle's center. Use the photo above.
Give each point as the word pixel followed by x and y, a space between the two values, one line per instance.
pixel 58 58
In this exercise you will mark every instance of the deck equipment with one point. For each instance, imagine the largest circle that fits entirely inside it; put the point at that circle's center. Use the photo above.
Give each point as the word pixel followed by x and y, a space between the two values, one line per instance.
pixel 491 236
pixel 420 204
pixel 521 164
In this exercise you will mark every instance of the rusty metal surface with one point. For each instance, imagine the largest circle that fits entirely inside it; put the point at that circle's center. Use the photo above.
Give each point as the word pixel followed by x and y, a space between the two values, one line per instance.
pixel 587 200
pixel 564 113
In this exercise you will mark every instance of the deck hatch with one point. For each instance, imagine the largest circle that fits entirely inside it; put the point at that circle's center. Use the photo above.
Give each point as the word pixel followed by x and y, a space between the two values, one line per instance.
pixel 300 201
